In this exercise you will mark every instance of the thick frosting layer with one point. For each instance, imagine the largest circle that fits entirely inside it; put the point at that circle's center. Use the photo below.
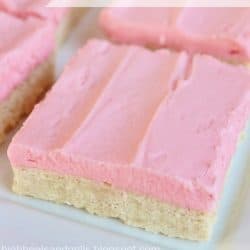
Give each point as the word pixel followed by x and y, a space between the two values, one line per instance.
pixel 154 123
pixel 22 48
pixel 26 8
pixel 222 32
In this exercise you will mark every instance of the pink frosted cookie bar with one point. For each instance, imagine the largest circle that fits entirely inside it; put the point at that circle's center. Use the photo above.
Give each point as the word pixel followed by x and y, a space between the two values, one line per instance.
pixel 37 8
pixel 63 18
pixel 143 136
pixel 221 32
pixel 26 66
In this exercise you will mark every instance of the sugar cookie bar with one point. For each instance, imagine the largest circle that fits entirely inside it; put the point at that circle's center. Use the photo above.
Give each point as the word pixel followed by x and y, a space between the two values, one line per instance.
pixel 63 18
pixel 143 136
pixel 26 67
pixel 220 32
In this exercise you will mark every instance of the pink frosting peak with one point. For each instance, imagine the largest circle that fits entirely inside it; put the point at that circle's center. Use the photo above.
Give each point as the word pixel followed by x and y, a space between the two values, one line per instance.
pixel 221 32
pixel 160 124
pixel 22 48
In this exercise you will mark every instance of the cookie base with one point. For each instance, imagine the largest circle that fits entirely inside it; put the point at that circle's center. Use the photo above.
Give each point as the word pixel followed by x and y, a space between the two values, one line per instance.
pixel 22 100
pixel 104 200
pixel 66 27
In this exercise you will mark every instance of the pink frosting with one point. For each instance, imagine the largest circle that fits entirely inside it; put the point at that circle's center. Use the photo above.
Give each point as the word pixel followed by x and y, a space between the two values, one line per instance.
pixel 24 8
pixel 159 124
pixel 222 32
pixel 22 48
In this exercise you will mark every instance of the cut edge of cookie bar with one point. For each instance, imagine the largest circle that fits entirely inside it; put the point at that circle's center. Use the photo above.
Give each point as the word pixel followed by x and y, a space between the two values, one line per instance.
pixel 105 200
pixel 22 100
pixel 70 20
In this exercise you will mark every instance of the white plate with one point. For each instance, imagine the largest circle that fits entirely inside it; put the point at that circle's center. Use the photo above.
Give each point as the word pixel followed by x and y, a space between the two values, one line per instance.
pixel 58 225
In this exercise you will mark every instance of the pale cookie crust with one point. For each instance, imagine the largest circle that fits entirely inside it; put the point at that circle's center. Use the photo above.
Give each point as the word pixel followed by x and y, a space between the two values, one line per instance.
pixel 105 200
pixel 71 19
pixel 21 102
